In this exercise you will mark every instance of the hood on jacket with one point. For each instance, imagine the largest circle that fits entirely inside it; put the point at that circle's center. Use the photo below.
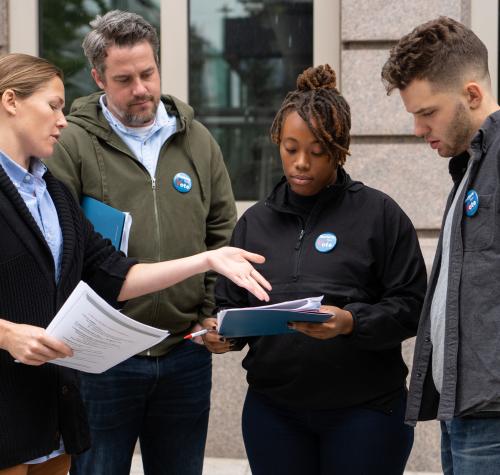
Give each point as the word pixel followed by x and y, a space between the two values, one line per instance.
pixel 86 112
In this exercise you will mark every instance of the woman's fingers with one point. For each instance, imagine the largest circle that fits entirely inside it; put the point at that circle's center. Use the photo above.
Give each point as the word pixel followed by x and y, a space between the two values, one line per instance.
pixel 261 280
pixel 56 348
pixel 250 284
pixel 235 264
pixel 252 257
pixel 32 345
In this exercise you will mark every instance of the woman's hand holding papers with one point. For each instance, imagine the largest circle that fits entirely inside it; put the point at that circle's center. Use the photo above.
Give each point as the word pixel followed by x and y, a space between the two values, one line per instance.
pixel 31 345
pixel 340 323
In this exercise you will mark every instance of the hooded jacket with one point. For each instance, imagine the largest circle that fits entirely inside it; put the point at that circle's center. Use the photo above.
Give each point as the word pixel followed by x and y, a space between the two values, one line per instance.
pixel 375 271
pixel 92 160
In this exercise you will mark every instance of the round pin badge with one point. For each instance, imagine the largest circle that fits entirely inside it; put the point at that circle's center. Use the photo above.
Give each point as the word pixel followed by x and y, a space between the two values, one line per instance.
pixel 325 242
pixel 182 182
pixel 471 203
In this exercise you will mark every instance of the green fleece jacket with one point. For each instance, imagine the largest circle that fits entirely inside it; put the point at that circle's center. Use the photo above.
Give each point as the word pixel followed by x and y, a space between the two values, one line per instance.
pixel 166 224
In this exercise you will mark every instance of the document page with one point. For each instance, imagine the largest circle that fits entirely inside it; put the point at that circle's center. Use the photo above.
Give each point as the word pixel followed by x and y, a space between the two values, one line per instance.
pixel 99 335
pixel 309 304
pixel 127 224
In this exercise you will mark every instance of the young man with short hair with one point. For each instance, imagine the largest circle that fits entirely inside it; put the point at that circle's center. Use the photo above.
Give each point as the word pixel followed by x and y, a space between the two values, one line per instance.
pixel 441 72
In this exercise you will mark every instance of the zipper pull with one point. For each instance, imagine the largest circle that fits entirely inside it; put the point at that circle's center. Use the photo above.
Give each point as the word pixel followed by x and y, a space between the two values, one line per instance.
pixel 299 240
pixel 153 183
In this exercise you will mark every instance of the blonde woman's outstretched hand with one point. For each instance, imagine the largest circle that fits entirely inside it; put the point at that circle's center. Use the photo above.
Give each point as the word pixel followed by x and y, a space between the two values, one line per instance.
pixel 232 262
pixel 235 264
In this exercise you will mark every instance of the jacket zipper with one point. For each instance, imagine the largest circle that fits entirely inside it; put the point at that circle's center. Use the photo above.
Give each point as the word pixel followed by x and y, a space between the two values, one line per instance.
pixel 298 249
pixel 157 221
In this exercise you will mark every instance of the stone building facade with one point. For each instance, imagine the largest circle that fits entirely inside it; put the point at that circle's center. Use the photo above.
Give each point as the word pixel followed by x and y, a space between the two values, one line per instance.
pixel 4 27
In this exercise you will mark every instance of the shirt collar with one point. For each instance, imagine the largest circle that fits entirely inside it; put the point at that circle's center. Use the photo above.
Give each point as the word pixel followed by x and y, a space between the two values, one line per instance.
pixel 162 119
pixel 486 134
pixel 18 174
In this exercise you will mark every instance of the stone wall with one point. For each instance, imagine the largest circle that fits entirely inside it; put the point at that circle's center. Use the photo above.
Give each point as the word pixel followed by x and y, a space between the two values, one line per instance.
pixel 4 30
pixel 385 154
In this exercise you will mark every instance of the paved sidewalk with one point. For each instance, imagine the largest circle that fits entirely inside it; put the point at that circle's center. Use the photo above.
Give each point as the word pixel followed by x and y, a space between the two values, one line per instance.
pixel 223 466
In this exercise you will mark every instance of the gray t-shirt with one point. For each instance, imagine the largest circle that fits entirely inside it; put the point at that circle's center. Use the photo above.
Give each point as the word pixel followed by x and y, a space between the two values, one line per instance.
pixel 438 306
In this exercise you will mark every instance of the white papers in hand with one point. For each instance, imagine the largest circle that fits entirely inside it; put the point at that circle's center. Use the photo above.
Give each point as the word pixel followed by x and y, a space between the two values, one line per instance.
pixel 301 305
pixel 127 224
pixel 309 304
pixel 99 335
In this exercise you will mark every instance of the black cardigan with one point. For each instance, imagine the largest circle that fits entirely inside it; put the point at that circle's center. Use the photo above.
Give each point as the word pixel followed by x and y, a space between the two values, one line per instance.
pixel 39 404
pixel 376 271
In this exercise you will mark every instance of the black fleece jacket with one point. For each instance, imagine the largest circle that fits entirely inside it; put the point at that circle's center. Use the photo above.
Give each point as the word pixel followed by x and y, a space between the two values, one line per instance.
pixel 41 404
pixel 376 271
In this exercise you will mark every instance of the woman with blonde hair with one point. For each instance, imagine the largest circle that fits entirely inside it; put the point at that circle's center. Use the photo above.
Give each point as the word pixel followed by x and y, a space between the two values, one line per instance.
pixel 46 247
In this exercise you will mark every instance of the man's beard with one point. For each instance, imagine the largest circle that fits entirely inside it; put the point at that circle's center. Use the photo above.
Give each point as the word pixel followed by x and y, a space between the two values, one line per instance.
pixel 459 132
pixel 130 119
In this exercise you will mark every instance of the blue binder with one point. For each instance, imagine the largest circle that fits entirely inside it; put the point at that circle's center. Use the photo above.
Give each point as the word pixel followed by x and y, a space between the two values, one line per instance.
pixel 107 220
pixel 259 322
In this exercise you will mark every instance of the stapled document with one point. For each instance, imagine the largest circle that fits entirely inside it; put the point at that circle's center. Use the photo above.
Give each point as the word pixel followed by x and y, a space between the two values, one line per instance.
pixel 99 335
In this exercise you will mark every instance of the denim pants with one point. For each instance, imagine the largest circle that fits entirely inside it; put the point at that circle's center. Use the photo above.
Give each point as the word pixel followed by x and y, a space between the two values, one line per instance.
pixel 470 446
pixel 162 401
pixel 352 441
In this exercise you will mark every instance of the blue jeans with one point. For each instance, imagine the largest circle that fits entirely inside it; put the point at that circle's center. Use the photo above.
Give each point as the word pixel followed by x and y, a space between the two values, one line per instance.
pixel 470 446
pixel 353 441
pixel 163 401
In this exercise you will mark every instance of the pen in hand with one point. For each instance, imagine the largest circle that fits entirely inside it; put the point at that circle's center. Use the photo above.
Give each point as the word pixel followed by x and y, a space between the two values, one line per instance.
pixel 200 333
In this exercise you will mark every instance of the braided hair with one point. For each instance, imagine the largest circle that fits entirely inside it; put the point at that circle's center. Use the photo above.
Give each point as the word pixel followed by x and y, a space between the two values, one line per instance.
pixel 320 105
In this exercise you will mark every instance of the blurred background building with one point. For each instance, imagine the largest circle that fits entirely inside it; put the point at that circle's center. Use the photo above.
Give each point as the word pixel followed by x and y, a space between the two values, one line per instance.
pixel 233 61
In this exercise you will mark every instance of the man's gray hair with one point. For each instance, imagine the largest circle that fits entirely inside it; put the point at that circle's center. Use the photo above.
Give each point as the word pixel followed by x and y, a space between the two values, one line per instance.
pixel 117 28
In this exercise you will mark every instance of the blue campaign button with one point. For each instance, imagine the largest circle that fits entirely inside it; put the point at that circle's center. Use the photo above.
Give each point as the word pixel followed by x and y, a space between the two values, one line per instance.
pixel 182 182
pixel 471 203
pixel 325 242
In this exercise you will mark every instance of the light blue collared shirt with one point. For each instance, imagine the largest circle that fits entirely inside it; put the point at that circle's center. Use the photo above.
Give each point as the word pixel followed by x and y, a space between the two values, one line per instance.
pixel 33 190
pixel 144 142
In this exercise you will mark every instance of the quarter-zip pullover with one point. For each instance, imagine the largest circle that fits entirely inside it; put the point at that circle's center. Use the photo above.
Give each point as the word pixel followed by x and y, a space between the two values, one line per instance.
pixel 375 271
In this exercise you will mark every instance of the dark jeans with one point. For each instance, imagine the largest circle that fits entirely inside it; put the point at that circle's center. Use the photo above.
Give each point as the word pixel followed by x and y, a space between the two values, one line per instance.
pixel 163 401
pixel 470 446
pixel 354 441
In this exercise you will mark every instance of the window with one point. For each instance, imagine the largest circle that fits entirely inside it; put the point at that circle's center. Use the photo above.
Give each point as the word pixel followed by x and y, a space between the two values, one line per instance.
pixel 244 56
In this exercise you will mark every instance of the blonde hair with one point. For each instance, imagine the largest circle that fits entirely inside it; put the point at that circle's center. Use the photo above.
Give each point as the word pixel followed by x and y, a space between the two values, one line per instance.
pixel 25 74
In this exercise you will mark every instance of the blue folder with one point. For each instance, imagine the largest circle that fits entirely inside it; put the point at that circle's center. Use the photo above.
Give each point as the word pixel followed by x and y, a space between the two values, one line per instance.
pixel 107 220
pixel 259 322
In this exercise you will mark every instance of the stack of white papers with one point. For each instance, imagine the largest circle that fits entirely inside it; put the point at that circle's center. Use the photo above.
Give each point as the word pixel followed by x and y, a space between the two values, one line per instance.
pixel 301 305
pixel 99 335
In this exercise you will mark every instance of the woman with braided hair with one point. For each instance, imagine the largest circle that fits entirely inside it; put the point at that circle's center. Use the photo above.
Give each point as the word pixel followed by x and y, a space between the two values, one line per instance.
pixel 327 398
